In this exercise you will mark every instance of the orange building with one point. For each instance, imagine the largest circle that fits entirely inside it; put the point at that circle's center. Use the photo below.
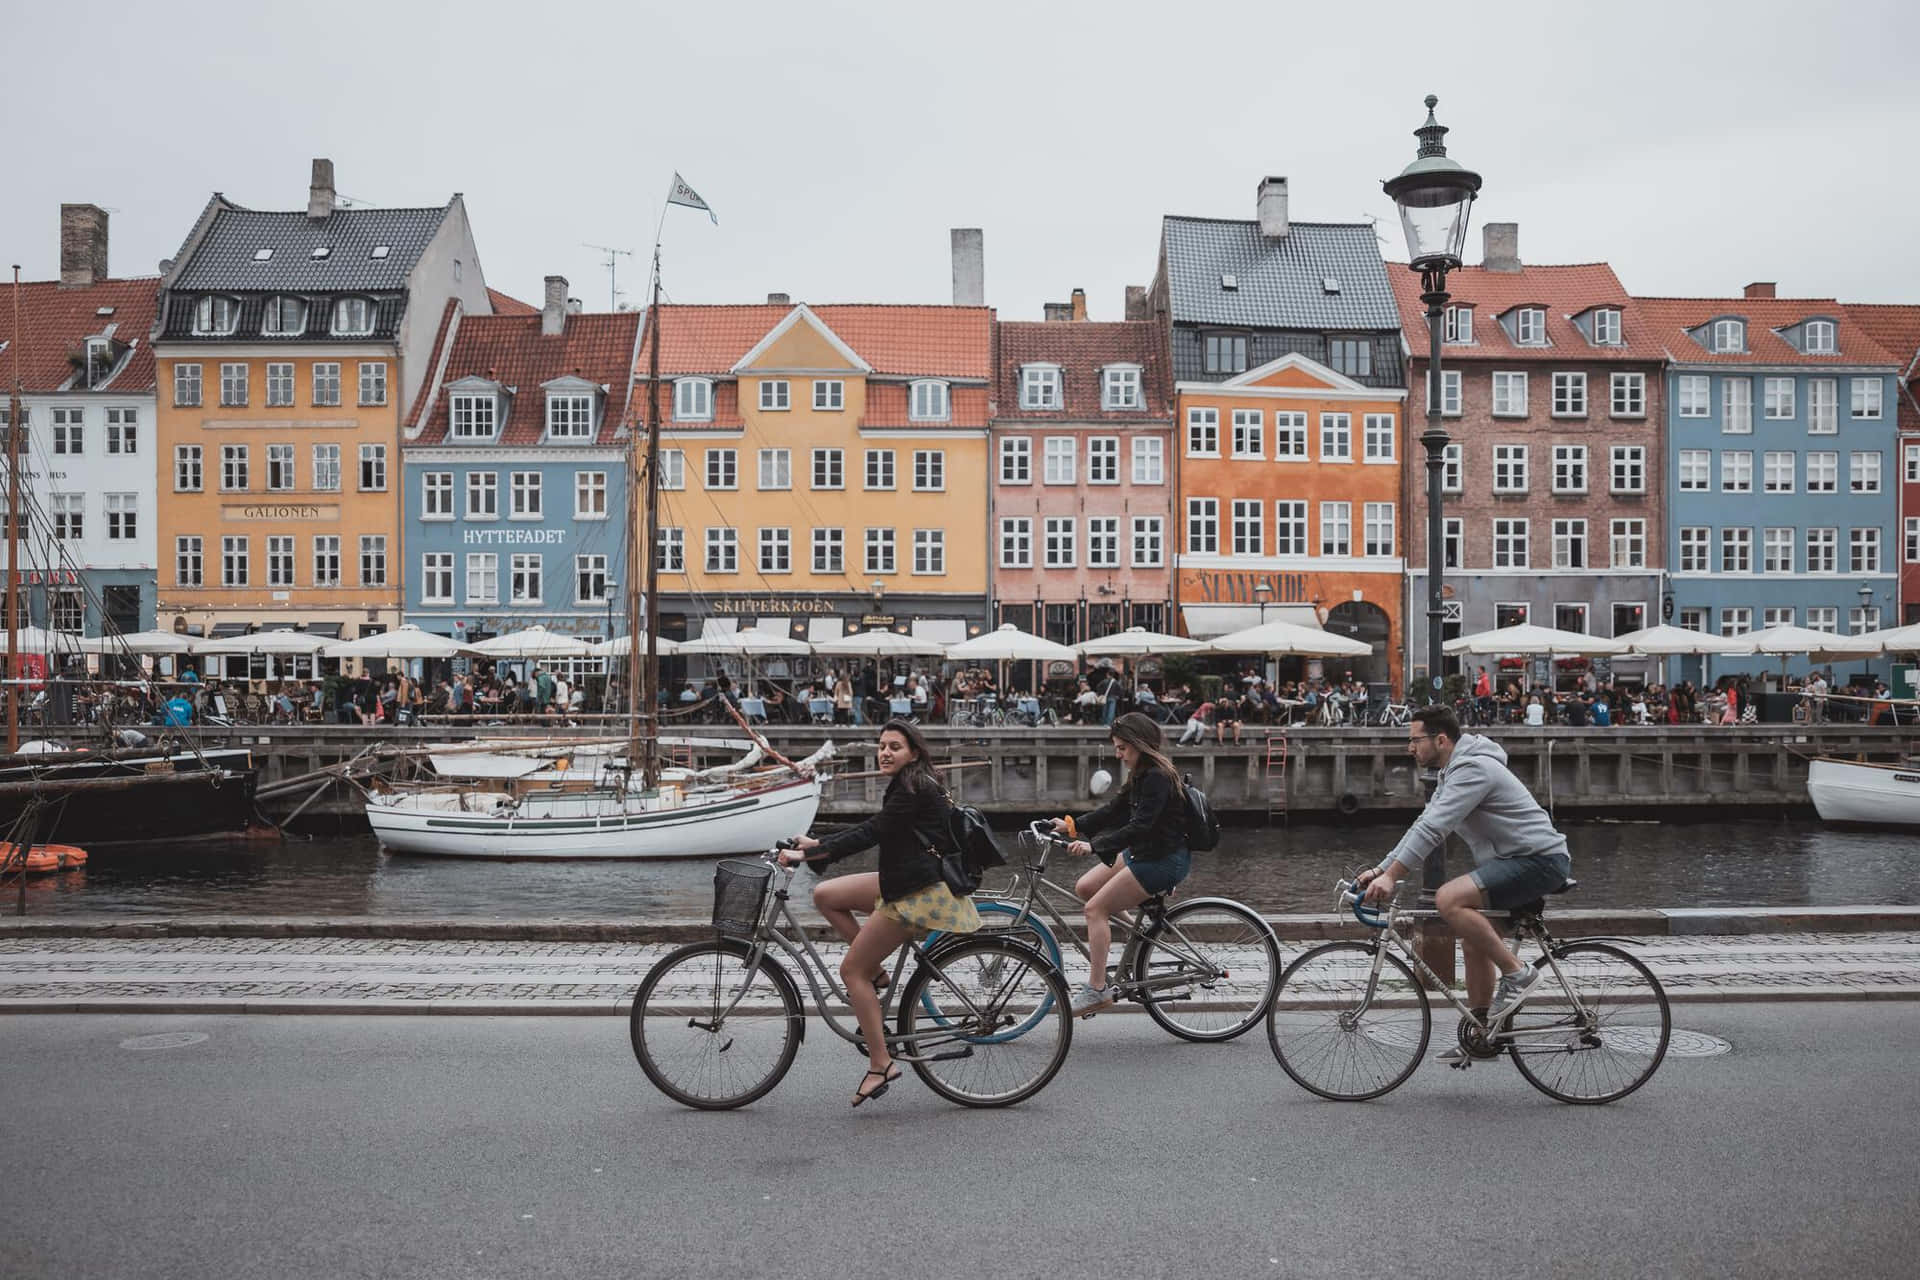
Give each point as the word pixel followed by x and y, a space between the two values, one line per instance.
pixel 1288 476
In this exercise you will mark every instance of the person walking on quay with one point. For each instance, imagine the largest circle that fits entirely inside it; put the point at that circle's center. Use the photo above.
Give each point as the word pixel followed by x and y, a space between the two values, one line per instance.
pixel 1196 730
pixel 906 897
pixel 1141 838
pixel 1518 856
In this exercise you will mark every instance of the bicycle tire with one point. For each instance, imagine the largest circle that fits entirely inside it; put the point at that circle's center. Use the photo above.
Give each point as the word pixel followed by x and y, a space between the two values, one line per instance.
pixel 1032 932
pixel 999 976
pixel 1629 1026
pixel 671 1046
pixel 1328 1049
pixel 1249 942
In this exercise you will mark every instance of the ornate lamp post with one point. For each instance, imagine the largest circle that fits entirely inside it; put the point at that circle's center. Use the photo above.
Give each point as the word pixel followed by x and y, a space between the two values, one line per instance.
pixel 1435 196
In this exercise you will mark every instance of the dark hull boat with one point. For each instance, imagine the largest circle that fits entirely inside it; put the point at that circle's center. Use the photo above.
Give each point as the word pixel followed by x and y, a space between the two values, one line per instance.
pixel 129 797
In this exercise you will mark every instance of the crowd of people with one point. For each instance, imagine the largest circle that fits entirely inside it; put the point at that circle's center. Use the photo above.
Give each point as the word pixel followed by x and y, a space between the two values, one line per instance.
pixel 1730 700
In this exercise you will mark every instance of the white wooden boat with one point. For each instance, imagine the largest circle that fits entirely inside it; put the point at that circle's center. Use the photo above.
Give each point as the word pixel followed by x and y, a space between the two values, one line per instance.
pixel 1852 791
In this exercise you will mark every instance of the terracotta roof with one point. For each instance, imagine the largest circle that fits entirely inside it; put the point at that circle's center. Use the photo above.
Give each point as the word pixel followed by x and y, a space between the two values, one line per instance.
pixel 57 321
pixel 911 341
pixel 1671 318
pixel 1082 349
pixel 510 350
pixel 1561 291
pixel 503 305
pixel 1897 328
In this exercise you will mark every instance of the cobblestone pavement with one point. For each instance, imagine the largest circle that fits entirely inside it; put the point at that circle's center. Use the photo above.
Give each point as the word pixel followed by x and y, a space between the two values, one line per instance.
pixel 387 975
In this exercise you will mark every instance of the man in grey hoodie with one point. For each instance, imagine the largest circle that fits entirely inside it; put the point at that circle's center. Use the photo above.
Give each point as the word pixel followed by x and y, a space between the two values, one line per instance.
pixel 1517 854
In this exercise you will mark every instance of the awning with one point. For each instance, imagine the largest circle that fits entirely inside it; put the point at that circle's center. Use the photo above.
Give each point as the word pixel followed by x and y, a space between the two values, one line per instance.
pixel 1207 621
pixel 819 629
pixel 228 629
pixel 718 627
pixel 940 630
pixel 782 627
pixel 329 629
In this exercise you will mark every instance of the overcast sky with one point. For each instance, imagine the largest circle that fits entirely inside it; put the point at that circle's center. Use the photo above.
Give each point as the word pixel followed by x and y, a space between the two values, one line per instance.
pixel 1695 146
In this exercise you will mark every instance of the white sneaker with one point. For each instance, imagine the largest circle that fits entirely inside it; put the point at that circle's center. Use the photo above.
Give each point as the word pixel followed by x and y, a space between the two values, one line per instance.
pixel 1512 990
pixel 1087 1001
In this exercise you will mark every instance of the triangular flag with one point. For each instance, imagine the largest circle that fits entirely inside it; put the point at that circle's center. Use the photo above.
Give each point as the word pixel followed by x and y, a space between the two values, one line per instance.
pixel 686 195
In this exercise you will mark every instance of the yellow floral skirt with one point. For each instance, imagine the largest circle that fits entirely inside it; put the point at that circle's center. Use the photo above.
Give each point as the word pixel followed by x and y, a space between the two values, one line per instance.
pixel 934 909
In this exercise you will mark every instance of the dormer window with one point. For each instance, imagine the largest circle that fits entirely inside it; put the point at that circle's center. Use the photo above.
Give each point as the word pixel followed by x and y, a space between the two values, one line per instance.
pixel 1459 328
pixel 929 402
pixel 1530 327
pixel 569 417
pixel 100 361
pixel 1120 387
pixel 1606 327
pixel 263 255
pixel 284 317
pixel 1818 336
pixel 1729 335
pixel 474 417
pixel 1039 386
pixel 693 400
pixel 214 316
pixel 353 316
pixel 320 251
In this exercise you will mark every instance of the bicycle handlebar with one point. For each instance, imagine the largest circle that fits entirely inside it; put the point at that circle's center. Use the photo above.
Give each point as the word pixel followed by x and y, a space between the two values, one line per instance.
pixel 1351 896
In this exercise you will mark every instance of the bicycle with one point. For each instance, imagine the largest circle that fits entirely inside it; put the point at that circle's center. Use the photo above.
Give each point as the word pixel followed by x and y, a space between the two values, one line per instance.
pixel 1350 1021
pixel 1203 969
pixel 716 1024
pixel 1394 715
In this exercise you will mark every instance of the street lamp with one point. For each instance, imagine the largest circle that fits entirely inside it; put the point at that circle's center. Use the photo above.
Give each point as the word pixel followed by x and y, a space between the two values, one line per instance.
pixel 1866 603
pixel 606 694
pixel 1263 592
pixel 1435 196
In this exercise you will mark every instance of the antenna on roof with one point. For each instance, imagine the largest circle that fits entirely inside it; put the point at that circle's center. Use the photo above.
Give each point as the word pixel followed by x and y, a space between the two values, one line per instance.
pixel 612 264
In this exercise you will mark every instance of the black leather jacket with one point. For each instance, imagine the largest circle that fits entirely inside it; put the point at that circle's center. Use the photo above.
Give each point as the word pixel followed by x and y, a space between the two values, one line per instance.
pixel 1144 816
pixel 912 818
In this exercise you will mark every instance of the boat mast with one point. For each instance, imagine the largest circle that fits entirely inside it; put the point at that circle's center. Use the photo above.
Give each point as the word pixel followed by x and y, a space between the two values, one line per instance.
pixel 645 680
pixel 13 531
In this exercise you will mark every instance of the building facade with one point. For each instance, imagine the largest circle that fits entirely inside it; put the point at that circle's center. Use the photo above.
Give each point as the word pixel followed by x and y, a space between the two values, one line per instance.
pixel 87 454
pixel 1290 385
pixel 516 468
pixel 1083 477
pixel 290 346
pixel 823 470
pixel 1781 440
pixel 1897 330
pixel 1552 491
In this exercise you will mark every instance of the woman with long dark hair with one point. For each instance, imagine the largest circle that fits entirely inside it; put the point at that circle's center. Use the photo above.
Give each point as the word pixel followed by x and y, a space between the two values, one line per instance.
pixel 1141 837
pixel 906 897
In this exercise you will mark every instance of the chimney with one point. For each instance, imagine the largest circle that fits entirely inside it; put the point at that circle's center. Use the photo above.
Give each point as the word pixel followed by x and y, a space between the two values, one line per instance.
pixel 1079 304
pixel 969 267
pixel 1500 243
pixel 1272 207
pixel 1758 289
pixel 320 190
pixel 1056 311
pixel 553 316
pixel 779 300
pixel 1137 302
pixel 83 244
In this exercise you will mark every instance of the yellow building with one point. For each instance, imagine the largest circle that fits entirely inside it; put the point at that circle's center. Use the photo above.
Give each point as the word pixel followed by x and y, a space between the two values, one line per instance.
pixel 288 346
pixel 824 469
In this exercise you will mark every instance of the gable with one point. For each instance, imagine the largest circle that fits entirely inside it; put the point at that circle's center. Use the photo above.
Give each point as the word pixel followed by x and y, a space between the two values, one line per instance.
pixel 1295 371
pixel 801 342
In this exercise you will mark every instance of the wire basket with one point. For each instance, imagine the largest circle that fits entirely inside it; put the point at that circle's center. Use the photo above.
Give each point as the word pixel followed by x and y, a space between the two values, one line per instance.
pixel 740 895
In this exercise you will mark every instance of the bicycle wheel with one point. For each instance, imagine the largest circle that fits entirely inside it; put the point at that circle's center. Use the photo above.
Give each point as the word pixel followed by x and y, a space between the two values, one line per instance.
pixel 699 1044
pixel 1604 1041
pixel 1335 1041
pixel 982 987
pixel 1229 964
pixel 997 919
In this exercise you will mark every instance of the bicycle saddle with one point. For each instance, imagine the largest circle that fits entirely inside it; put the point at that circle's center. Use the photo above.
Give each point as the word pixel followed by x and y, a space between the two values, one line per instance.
pixel 1539 905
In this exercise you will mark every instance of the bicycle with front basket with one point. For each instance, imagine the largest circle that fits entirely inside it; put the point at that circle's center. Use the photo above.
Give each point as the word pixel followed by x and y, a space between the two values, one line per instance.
pixel 1205 969
pixel 982 1019
pixel 1350 1021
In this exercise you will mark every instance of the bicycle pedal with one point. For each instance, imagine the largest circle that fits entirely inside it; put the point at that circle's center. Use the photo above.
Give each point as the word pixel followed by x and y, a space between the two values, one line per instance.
pixel 1461 1065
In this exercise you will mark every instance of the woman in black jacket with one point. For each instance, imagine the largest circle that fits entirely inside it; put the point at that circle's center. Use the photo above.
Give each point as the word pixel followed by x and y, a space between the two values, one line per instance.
pixel 1141 836
pixel 907 897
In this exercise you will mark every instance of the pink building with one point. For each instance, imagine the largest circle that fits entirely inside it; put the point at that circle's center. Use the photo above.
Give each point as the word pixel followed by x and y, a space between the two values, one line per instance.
pixel 1082 453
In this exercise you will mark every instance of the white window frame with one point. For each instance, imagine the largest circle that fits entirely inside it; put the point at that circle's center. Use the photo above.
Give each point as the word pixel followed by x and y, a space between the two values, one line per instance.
pixel 1736 549
pixel 590 495
pixel 1606 327
pixel 1016 542
pixel 1863 471
pixel 1249 434
pixel 721 470
pixel 1818 338
pixel 1736 620
pixel 189 469
pixel 829 395
pixel 1823 471
pixel 325 376
pixel 1457 327
pixel 1059 460
pixel 373 382
pixel 1729 336
pixel 1149 455
pixel 1736 406
pixel 326 560
pixel 373 468
pixel 1510 393
pixel 354 317
pixel 282 477
pixel 1149 542
pixel 929 400
pixel 776 395
pixel 693 399
pixel 1203 432
pixel 1336 437
pixel 1510 468
pixel 929 552
pixel 827 469
pixel 279 384
pixel 1777 544
pixel 1016 459
pixel 590 569
pixel 1569 468
pixel 1103 542
pixel 1823 549
pixel 1694 395
pixel 1120 388
pixel 1246 522
pixel 1059 542
pixel 1779 471
pixel 1513 543
pixel 1823 406
pixel 473 417
pixel 236 556
pixel 775 469
pixel 1778 398
pixel 326 468
pixel 1627 468
pixel 1627 395
pixel 1569 393
pixel 280 560
pixel 879 547
pixel 526 495
pixel 775 549
pixel 1336 528
pixel 1290 528
pixel 1203 526
pixel 436 495
pixel 1040 386
pixel 483 495
pixel 1570 544
pixel 1866 399
pixel 723 549
pixel 1290 436
pixel 569 416
pixel 673 470
pixel 215 316
pixel 1695 542
pixel 1530 327
pixel 482 577
pixel 187 385
pixel 1377 529
pixel 879 470
pixel 436 577
pixel 1377 436
pixel 1736 471
pixel 526 578
pixel 929 470
pixel 1453 468
pixel 1627 543
pixel 829 546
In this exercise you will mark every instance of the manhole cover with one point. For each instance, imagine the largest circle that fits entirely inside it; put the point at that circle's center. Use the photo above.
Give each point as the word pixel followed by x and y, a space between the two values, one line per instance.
pixel 1696 1044
pixel 165 1040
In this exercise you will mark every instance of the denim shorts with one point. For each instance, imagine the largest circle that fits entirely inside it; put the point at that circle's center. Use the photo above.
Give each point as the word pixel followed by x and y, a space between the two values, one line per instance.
pixel 1510 882
pixel 1160 875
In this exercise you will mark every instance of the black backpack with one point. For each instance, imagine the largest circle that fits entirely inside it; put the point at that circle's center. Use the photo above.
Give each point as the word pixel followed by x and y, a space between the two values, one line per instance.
pixel 1203 825
pixel 970 852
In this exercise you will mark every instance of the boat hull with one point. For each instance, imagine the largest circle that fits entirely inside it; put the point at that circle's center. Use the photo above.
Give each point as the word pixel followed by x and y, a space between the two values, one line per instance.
pixel 1876 795
pixel 602 825
pixel 137 799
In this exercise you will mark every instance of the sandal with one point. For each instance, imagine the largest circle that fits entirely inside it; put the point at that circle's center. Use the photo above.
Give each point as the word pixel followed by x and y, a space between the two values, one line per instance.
pixel 887 1078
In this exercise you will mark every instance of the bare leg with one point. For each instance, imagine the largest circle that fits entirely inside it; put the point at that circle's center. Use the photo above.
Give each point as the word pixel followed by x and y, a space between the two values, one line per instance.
pixel 878 938
pixel 1459 902
pixel 839 898
pixel 1120 892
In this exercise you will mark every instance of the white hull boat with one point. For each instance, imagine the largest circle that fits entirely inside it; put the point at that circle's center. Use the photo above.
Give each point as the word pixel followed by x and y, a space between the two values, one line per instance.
pixel 1880 794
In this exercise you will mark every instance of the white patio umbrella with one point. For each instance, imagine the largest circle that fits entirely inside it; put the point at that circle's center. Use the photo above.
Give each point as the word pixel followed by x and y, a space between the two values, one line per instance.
pixel 621 646
pixel 745 644
pixel 1290 639
pixel 1529 639
pixel 1897 639
pixel 1137 642
pixel 40 640
pixel 1665 641
pixel 1010 644
pixel 139 642
pixel 878 644
pixel 279 641
pixel 406 641
pixel 534 642
pixel 1787 641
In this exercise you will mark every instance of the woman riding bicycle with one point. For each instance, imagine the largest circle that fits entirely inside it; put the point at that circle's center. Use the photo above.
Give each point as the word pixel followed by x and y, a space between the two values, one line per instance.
pixel 1141 836
pixel 907 897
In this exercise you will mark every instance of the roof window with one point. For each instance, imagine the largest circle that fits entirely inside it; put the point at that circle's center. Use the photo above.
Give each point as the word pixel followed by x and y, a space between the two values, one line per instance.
pixel 1329 284
pixel 261 255
pixel 378 251
pixel 1229 281
pixel 320 251
pixel 103 311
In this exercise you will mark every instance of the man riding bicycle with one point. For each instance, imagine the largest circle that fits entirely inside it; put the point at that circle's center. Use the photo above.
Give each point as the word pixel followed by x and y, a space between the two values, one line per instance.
pixel 1517 853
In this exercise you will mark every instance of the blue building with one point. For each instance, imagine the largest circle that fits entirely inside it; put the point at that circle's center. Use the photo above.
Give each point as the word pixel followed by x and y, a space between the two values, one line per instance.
pixel 1781 470
pixel 516 471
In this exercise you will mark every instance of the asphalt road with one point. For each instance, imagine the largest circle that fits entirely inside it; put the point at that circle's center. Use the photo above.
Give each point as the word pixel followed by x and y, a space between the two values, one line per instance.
pixel 333 1147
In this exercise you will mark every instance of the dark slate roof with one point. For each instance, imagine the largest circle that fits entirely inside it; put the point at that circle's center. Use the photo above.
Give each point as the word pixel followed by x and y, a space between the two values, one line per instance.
pixel 176 319
pixel 1280 281
pixel 224 260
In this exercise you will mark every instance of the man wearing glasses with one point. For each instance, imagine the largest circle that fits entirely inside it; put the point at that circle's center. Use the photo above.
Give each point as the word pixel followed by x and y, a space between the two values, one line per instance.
pixel 1517 854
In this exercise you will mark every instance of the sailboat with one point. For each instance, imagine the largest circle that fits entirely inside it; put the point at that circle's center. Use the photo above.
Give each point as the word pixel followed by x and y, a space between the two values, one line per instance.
pixel 562 800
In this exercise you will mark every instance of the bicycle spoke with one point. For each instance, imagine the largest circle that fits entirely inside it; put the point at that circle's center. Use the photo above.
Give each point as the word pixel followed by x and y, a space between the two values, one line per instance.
pixel 710 1033
pixel 1210 971
pixel 1018 1048
pixel 1597 1037
pixel 1335 1041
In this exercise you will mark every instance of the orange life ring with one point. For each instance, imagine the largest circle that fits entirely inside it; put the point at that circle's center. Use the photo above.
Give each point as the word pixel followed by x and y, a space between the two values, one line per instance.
pixel 44 857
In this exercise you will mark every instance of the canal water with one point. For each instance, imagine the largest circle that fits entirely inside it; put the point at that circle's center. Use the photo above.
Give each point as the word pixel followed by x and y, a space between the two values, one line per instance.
pixel 1772 862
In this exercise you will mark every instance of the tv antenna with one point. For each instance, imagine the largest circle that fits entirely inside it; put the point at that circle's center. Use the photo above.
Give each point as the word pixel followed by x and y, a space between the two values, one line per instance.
pixel 612 264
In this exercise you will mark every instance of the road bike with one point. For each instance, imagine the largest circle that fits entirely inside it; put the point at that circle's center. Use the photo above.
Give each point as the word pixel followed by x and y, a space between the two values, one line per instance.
pixel 1204 969
pixel 1394 714
pixel 717 1023
pixel 1350 1021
